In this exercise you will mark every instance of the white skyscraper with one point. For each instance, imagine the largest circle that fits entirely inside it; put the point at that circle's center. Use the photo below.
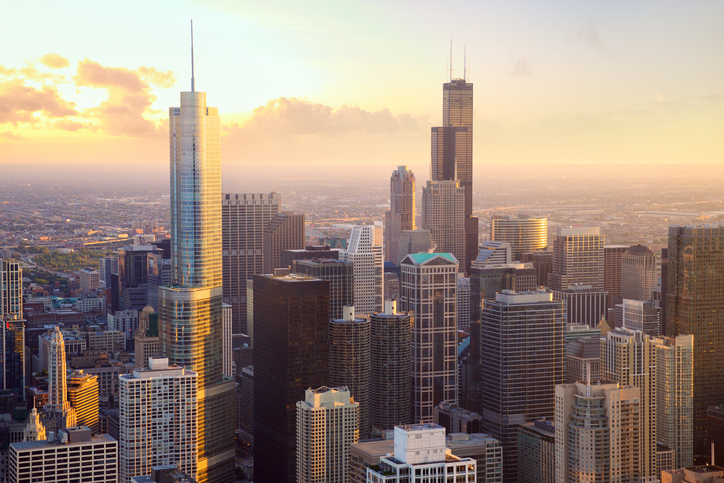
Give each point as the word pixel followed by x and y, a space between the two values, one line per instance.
pixel 158 419
pixel 58 404
pixel 327 424
pixel 365 252
pixel 428 290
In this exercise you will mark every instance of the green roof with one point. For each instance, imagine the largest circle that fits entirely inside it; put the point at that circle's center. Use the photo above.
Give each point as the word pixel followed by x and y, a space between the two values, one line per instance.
pixel 421 258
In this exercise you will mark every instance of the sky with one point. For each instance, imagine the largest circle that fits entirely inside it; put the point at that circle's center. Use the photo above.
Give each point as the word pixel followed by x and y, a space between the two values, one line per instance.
pixel 352 84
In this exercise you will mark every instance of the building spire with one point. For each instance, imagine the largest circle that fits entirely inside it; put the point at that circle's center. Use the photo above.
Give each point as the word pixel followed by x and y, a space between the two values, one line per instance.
pixel 465 60
pixel 451 70
pixel 192 57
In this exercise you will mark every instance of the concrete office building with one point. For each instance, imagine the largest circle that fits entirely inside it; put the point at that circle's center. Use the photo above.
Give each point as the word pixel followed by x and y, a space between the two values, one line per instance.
pixel 493 253
pixel 390 360
pixel 612 265
pixel 537 452
pixel 326 428
pixel 244 217
pixel 83 397
pixel 525 234
pixel 695 305
pixel 675 358
pixel 487 280
pixel 285 231
pixel 420 450
pixel 349 362
pixel 401 216
pixel 629 358
pixel 415 241
pixel 456 419
pixel 428 290
pixel 72 454
pixel 158 419
pixel 291 353
pixel 338 273
pixel 522 361
pixel 365 253
pixel 598 432
pixel 443 215
pixel 639 315
pixel 639 276
pixel 577 258
pixel 89 279
pixel 584 304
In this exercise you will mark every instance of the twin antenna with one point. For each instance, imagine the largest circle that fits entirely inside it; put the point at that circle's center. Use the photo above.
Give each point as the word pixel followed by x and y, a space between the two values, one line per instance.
pixel 465 61
pixel 192 57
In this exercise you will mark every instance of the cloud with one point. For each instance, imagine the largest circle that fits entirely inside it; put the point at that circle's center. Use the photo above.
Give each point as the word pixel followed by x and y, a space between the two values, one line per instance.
pixel 284 117
pixel 19 102
pixel 67 125
pixel 521 68
pixel 589 37
pixel 54 61
pixel 11 136
pixel 129 96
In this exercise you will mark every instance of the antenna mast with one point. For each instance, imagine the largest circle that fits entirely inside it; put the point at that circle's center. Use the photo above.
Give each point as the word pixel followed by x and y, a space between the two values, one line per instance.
pixel 465 60
pixel 192 57
pixel 451 60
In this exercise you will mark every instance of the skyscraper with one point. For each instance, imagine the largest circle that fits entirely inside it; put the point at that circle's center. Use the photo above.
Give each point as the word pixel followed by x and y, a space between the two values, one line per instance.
pixel 525 234
pixel 629 358
pixel 190 310
pixel 13 354
pixel 349 362
pixel 11 288
pixel 452 153
pixel 244 217
pixel 157 419
pixel 522 361
pixel 639 276
pixel 577 258
pixel 339 274
pixel 612 262
pixel 695 305
pixel 675 396
pixel 391 359
pixel 58 404
pixel 402 211
pixel 291 354
pixel 133 275
pixel 83 396
pixel 326 427
pixel 285 231
pixel 146 339
pixel 365 252
pixel 428 290
pixel 443 215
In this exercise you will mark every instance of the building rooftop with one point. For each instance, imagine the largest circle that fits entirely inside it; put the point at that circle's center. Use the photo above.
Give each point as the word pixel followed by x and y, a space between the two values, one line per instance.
pixel 420 258
pixel 72 440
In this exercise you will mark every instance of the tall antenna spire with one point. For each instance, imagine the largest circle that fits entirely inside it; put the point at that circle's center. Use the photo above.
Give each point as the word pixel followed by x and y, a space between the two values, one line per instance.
pixel 465 59
pixel 192 57
pixel 451 60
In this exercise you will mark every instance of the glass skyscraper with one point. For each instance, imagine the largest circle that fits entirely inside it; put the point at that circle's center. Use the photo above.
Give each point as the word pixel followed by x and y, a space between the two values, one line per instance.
pixel 190 309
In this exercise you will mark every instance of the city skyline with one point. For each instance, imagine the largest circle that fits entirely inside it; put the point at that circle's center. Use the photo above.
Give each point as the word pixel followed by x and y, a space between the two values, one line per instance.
pixel 642 84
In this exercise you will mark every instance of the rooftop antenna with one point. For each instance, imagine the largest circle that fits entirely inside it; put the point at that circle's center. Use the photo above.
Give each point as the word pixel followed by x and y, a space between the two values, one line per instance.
pixel 465 59
pixel 192 56
pixel 451 71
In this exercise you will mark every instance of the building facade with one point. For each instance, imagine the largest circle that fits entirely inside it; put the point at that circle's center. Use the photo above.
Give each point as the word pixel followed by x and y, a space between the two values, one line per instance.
pixel 365 252
pixel 428 290
pixel 443 215
pixel 83 396
pixel 537 452
pixel 338 273
pixel 577 258
pixel 402 211
pixel 639 276
pixel 525 234
pixel 285 231
pixel 11 288
pixel 612 265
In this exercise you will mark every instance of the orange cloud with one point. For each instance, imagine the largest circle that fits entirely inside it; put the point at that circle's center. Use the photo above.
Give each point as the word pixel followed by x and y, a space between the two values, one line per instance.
pixel 67 125
pixel 19 103
pixel 11 136
pixel 54 61
pixel 129 96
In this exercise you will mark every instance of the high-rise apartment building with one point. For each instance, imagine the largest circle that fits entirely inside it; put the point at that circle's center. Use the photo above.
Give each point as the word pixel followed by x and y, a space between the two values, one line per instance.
pixel 583 359
pixel 13 356
pixel 695 305
pixel 285 231
pixel 428 290
pixel 58 405
pixel 525 234
pixel 326 427
pixel 639 315
pixel 639 276
pixel 158 419
pixel 598 432
pixel 11 288
pixel 577 258
pixel 629 358
pixel 89 279
pixel 452 154
pixel 190 310
pixel 391 359
pixel 365 253
pixel 339 274
pixel 402 211
pixel 83 397
pixel 244 217
pixel 612 264
pixel 349 362
pixel 675 396
pixel 522 361
pixel 291 354
pixel 443 215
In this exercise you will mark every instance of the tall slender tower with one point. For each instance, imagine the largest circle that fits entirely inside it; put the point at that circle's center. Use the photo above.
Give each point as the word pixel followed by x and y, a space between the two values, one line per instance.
pixel 58 403
pixel 452 152
pixel 190 309
pixel 402 211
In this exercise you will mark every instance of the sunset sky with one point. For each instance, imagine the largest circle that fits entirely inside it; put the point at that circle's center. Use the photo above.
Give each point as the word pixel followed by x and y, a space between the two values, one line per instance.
pixel 349 82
